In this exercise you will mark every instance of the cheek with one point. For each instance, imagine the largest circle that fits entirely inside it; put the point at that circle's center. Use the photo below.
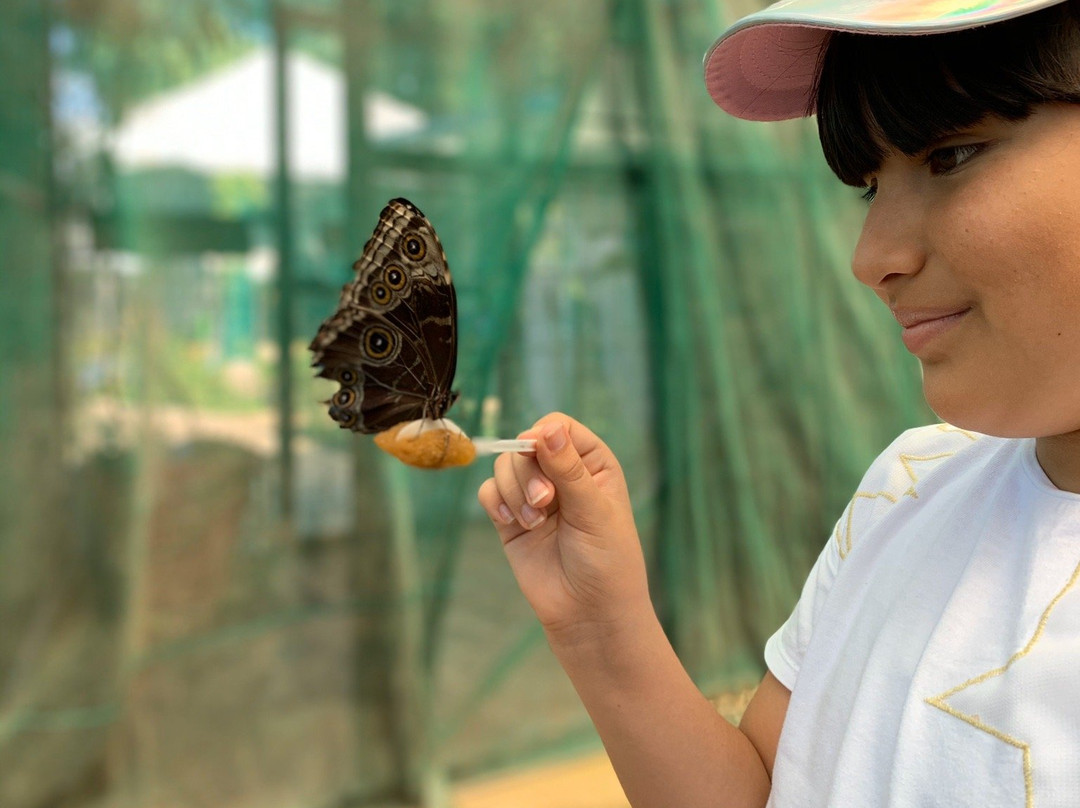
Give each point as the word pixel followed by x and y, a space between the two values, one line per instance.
pixel 1018 238
pixel 1043 219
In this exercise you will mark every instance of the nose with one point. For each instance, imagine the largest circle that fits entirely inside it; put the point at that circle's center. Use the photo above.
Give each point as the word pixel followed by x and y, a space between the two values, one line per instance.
pixel 892 244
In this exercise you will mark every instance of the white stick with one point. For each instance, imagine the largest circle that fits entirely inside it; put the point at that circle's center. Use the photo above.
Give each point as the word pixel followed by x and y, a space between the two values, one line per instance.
pixel 490 446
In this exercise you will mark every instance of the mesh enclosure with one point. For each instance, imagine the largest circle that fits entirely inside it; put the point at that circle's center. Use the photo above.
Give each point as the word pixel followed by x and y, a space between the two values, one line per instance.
pixel 210 595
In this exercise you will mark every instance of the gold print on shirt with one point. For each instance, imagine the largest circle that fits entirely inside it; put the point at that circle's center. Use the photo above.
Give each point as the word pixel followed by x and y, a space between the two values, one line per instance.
pixel 845 529
pixel 1026 672
pixel 908 461
pixel 950 428
pixel 844 534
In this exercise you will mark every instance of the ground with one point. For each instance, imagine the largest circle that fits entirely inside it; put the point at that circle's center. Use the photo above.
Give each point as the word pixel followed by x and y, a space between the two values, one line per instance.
pixel 582 782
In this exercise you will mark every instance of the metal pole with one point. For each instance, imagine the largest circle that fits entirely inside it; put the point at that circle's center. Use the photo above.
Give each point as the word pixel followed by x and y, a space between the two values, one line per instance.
pixel 285 274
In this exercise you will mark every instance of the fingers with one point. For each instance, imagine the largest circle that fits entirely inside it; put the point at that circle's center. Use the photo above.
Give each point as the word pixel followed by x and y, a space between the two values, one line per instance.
pixel 594 452
pixel 504 500
pixel 498 511
pixel 583 470
pixel 525 487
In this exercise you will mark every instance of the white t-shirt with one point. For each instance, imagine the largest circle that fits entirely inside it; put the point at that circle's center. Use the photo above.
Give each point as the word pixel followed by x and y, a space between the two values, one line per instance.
pixel 934 655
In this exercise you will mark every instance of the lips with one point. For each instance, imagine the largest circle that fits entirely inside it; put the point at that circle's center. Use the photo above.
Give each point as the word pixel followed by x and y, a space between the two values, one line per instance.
pixel 923 325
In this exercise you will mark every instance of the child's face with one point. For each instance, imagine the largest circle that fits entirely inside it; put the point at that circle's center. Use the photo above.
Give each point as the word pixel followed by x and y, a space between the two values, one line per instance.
pixel 978 239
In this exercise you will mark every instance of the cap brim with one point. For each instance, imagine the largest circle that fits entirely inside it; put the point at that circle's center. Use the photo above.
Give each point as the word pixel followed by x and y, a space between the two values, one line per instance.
pixel 763 68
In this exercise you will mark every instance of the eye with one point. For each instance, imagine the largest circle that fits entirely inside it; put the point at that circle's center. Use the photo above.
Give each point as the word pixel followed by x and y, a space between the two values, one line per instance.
pixel 415 248
pixel 948 158
pixel 869 192
pixel 378 343
pixel 347 377
pixel 395 278
pixel 381 293
pixel 344 398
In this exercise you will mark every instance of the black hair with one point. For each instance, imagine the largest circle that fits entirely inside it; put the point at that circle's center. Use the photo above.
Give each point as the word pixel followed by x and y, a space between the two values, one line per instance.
pixel 906 92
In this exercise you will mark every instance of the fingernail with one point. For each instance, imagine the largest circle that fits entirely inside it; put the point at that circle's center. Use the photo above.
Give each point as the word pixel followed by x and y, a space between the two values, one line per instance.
pixel 506 514
pixel 530 516
pixel 537 490
pixel 555 437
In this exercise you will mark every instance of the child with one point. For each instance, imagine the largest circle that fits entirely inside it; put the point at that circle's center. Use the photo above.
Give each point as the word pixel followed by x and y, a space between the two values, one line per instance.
pixel 934 656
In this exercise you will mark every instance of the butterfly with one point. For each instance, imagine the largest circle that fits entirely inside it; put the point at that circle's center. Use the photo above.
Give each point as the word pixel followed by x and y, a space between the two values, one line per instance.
pixel 392 343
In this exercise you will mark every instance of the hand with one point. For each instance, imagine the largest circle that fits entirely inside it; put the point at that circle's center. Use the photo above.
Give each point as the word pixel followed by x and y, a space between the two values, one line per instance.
pixel 567 527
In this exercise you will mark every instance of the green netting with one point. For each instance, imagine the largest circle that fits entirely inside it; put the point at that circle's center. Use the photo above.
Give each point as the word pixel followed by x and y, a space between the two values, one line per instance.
pixel 212 596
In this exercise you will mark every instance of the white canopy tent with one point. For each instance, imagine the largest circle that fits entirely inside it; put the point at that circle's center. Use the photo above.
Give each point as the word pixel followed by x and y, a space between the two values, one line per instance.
pixel 224 122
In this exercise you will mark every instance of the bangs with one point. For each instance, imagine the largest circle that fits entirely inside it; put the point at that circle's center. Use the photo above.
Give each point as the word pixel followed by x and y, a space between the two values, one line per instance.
pixel 876 93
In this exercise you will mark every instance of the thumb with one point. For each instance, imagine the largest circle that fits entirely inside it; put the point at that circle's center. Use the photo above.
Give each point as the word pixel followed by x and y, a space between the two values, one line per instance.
pixel 559 452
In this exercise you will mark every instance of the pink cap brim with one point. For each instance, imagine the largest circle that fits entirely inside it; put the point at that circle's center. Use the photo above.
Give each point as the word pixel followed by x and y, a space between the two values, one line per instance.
pixel 764 67
pixel 765 72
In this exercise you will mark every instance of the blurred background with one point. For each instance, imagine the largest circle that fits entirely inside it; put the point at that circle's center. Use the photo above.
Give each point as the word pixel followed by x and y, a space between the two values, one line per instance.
pixel 209 594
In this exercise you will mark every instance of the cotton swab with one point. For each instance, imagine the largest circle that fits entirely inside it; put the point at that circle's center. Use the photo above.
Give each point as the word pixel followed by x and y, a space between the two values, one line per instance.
pixel 491 446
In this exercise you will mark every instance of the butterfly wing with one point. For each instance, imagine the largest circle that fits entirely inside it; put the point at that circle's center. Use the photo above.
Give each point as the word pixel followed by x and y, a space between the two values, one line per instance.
pixel 392 343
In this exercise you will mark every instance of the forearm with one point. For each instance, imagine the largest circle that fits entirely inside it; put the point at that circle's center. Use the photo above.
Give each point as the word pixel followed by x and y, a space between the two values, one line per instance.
pixel 667 743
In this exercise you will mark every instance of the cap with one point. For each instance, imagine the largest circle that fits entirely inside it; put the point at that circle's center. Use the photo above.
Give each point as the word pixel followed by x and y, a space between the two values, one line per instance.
pixel 764 66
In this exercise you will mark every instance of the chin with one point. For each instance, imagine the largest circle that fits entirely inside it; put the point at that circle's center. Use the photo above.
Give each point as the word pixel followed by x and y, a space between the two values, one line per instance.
pixel 986 414
pixel 994 420
pixel 1001 402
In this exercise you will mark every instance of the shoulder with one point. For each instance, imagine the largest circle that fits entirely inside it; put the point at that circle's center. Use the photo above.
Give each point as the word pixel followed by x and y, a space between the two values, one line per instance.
pixel 919 453
pixel 913 472
pixel 919 466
